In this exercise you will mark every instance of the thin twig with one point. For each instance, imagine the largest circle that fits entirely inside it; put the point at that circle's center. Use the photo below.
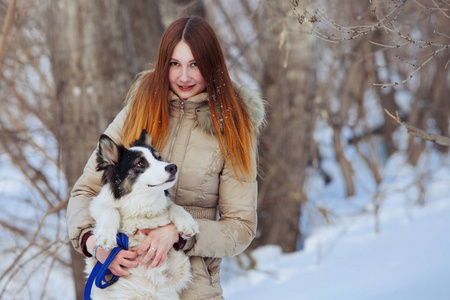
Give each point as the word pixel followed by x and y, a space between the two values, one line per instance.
pixel 438 139
pixel 440 33
pixel 429 8
pixel 384 85
pixel 389 46
pixel 440 9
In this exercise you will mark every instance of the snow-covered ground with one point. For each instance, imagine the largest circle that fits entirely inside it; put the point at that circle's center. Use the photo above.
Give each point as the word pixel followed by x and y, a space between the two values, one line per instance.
pixel 409 258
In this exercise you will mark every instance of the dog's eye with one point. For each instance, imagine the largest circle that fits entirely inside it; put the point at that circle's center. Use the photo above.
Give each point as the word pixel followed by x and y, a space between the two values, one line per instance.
pixel 141 164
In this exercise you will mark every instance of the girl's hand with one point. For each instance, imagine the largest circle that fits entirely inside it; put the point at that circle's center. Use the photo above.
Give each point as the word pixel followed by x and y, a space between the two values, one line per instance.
pixel 124 259
pixel 157 243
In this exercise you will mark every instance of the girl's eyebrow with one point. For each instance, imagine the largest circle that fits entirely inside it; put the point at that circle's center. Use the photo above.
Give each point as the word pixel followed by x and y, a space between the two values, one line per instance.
pixel 174 59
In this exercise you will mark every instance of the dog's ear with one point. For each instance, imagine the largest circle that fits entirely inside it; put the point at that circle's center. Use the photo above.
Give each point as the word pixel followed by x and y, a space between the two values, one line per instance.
pixel 108 152
pixel 144 140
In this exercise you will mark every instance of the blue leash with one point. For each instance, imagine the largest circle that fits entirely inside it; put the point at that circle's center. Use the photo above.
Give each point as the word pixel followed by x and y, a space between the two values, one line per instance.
pixel 100 270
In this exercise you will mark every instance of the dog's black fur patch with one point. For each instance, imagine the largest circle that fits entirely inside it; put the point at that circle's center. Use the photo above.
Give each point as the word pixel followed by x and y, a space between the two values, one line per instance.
pixel 122 167
pixel 146 141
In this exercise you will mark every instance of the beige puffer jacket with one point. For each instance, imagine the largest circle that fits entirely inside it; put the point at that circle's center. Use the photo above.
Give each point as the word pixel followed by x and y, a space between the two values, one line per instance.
pixel 224 208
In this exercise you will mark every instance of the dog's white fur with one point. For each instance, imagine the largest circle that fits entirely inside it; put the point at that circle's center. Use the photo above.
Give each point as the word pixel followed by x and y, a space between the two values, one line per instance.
pixel 146 206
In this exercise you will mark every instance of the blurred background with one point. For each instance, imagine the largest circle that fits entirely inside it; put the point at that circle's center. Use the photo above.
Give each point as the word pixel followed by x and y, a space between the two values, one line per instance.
pixel 330 156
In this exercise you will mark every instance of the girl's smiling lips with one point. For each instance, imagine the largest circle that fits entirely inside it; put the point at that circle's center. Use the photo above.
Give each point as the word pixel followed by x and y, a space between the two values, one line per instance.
pixel 185 87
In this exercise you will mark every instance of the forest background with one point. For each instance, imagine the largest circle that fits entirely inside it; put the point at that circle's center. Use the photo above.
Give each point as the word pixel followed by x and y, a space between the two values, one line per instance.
pixel 65 67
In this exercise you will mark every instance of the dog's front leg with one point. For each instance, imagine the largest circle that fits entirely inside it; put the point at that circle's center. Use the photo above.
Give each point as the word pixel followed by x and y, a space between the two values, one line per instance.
pixel 183 221
pixel 106 229
pixel 107 222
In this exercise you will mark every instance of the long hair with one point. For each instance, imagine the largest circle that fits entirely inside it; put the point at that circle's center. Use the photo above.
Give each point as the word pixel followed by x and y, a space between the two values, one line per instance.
pixel 149 96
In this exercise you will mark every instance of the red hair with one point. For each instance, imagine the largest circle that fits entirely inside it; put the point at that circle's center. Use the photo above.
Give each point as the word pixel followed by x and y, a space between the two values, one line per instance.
pixel 149 95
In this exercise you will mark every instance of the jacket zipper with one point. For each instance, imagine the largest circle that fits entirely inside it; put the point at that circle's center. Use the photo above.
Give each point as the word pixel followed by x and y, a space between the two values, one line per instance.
pixel 177 129
pixel 211 278
pixel 180 119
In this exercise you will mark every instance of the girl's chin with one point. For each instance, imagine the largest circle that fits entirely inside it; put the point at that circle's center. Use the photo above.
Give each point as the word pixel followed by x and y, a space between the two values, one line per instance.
pixel 186 94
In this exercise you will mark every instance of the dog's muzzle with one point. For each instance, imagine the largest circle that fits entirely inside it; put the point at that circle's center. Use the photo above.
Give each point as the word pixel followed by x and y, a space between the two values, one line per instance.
pixel 172 169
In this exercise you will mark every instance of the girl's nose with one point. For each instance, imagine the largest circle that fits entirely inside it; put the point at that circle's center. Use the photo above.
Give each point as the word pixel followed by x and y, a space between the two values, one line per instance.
pixel 184 77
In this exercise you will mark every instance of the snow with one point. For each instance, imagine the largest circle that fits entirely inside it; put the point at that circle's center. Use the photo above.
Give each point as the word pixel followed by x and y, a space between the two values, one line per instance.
pixel 408 258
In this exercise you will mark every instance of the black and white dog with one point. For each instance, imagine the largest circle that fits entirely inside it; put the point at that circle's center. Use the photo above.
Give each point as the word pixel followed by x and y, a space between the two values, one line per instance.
pixel 134 196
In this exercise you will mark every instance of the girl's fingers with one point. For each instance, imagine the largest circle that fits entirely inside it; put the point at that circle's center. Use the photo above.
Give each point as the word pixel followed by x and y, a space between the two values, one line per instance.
pixel 157 262
pixel 129 263
pixel 119 271
pixel 145 246
pixel 150 254
pixel 157 243
pixel 130 255
pixel 124 259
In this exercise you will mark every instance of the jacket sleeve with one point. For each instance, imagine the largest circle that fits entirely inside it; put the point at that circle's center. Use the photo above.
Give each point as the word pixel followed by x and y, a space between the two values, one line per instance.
pixel 79 221
pixel 236 227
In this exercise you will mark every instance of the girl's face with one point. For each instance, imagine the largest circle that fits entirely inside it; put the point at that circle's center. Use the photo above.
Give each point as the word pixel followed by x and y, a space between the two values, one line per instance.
pixel 184 76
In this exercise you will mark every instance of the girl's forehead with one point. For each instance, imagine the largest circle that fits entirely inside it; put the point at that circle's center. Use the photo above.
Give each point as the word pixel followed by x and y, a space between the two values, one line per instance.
pixel 182 51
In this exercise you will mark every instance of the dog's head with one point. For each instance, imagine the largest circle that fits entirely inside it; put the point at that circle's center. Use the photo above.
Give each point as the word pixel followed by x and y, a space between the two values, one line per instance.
pixel 136 169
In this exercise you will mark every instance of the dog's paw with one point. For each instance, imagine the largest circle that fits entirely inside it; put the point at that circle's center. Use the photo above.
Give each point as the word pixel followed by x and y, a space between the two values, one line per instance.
pixel 183 221
pixel 106 238
pixel 188 229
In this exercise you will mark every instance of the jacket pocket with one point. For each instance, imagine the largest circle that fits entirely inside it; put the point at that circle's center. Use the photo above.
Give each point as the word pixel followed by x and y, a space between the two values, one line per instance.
pixel 212 268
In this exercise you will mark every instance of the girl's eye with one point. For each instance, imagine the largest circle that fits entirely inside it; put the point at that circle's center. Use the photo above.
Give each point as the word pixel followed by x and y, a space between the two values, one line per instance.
pixel 194 64
pixel 173 63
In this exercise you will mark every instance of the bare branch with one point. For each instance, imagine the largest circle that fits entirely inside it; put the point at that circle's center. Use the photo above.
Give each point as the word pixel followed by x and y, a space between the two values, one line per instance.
pixel 388 46
pixel 320 17
pixel 440 33
pixel 438 139
pixel 16 267
pixel 384 85
pixel 390 19
pixel 430 8
pixel 5 31
pixel 440 9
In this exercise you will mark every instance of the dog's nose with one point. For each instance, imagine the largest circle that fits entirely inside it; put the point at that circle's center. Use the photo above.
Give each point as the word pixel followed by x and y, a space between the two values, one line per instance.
pixel 171 169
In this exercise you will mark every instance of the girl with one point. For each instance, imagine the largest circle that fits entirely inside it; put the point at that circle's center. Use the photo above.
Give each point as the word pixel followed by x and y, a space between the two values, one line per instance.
pixel 200 121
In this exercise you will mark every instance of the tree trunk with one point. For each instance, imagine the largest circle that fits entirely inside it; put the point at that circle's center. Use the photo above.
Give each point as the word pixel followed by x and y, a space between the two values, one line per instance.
pixel 96 49
pixel 425 105
pixel 174 9
pixel 440 89
pixel 288 84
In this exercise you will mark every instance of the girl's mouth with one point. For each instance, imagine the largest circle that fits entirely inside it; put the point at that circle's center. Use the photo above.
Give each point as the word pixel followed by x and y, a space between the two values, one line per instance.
pixel 185 88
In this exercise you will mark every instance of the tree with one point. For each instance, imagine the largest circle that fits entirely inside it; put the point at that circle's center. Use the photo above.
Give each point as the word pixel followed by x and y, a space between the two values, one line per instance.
pixel 288 82
pixel 32 185
pixel 408 44
pixel 385 55
pixel 96 50
pixel 266 50
pixel 65 68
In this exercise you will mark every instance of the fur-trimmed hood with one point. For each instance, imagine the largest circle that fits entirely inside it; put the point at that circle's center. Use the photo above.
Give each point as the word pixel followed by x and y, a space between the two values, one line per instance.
pixel 252 100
